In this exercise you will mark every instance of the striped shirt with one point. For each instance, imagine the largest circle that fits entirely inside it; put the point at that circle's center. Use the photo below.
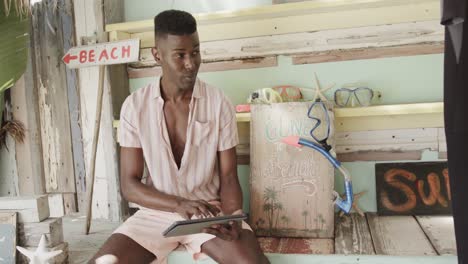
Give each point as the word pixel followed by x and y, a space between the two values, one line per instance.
pixel 212 127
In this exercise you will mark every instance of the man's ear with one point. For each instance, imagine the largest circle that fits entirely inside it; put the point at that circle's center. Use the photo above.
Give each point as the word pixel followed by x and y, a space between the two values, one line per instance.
pixel 156 55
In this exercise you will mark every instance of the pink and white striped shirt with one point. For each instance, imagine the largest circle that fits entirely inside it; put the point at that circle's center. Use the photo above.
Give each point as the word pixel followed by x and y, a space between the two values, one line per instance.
pixel 212 127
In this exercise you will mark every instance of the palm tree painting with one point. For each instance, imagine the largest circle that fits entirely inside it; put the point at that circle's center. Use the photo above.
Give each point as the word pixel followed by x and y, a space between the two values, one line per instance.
pixel 270 206
pixel 277 207
pixel 285 220
pixel 305 214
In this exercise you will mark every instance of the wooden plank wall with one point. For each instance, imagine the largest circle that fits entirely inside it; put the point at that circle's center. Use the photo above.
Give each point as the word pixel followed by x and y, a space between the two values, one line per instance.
pixel 8 167
pixel 369 42
pixel 352 235
pixel 65 9
pixel 53 97
pixel 29 155
pixel 398 235
pixel 441 233
pixel 89 24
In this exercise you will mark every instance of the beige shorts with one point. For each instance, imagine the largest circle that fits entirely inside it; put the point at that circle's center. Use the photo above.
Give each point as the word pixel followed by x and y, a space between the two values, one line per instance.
pixel 146 226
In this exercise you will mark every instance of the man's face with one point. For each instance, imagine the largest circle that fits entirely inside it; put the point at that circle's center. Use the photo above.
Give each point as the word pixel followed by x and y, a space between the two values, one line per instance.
pixel 180 59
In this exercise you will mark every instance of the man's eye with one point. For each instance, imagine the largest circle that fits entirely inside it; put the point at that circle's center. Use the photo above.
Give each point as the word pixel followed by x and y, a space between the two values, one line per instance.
pixel 180 55
pixel 196 52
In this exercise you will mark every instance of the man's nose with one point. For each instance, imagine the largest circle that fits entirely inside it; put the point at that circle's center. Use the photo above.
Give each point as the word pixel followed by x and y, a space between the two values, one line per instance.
pixel 189 63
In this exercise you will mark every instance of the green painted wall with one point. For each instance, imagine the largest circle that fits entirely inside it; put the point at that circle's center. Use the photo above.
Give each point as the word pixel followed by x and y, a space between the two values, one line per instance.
pixel 400 80
pixel 147 9
pixel 413 79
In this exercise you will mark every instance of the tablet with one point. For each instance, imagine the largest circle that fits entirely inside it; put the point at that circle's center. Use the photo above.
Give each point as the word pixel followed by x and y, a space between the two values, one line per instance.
pixel 189 227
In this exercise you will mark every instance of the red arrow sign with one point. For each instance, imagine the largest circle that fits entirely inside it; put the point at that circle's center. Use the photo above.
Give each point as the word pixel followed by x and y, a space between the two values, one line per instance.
pixel 103 54
pixel 69 57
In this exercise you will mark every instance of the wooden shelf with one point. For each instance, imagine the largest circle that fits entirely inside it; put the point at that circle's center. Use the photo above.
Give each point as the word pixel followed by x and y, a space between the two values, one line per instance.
pixel 383 117
pixel 380 117
pixel 292 18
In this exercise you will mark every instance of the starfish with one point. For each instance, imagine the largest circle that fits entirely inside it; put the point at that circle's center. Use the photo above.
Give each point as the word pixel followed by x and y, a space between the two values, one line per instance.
pixel 41 255
pixel 319 91
pixel 355 206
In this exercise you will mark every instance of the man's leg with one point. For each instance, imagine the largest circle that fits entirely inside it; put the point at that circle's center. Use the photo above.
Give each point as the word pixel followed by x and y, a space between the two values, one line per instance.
pixel 244 250
pixel 125 249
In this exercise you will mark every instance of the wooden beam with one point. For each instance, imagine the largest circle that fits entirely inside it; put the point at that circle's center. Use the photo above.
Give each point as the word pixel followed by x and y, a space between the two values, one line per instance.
pixel 370 53
pixel 29 153
pixel 209 66
pixel 398 235
pixel 65 11
pixel 425 37
pixel 29 208
pixel 29 234
pixel 352 235
pixel 8 166
pixel 89 21
pixel 440 231
pixel 56 205
pixel 296 17
pixel 53 100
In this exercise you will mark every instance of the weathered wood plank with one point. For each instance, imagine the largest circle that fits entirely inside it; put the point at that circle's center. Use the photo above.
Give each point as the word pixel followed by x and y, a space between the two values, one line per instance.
pixel 327 45
pixel 441 233
pixel 397 140
pixel 53 99
pixel 8 167
pixel 290 187
pixel 379 156
pixel 306 246
pixel 69 203
pixel 7 237
pixel 135 70
pixel 370 53
pixel 352 235
pixel 296 245
pixel 29 234
pixel 29 209
pixel 89 20
pixel 65 9
pixel 304 17
pixel 56 205
pixel 398 236
pixel 29 153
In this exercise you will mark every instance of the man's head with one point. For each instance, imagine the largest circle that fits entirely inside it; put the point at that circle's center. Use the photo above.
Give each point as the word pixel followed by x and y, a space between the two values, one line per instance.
pixel 177 47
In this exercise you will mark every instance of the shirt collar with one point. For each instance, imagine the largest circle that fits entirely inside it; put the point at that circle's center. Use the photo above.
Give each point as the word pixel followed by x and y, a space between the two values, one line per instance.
pixel 198 89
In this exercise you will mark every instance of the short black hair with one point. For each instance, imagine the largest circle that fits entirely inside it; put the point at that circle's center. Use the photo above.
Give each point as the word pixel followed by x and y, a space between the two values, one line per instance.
pixel 174 22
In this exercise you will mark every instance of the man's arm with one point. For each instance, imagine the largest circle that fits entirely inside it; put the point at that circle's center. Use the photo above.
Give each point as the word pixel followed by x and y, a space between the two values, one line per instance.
pixel 230 191
pixel 131 168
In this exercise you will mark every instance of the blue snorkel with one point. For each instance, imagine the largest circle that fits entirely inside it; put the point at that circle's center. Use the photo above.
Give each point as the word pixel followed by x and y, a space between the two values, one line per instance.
pixel 323 148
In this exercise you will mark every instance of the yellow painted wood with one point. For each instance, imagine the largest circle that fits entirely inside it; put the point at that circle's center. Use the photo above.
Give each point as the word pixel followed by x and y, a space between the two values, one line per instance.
pixel 294 18
pixel 381 117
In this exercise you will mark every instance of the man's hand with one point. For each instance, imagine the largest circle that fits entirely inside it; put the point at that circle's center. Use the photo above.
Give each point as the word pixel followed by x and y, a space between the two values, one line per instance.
pixel 228 232
pixel 199 208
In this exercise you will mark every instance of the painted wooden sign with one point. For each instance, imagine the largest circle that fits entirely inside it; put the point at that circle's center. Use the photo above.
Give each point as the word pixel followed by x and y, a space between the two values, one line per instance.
pixel 421 188
pixel 291 188
pixel 7 237
pixel 103 54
